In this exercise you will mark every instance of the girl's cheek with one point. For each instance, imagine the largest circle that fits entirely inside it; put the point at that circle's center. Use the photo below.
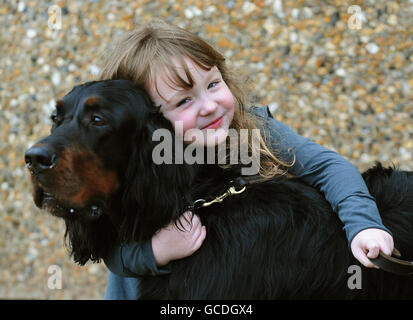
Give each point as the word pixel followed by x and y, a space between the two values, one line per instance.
pixel 181 125
pixel 231 101
pixel 188 118
pixel 231 105
pixel 227 99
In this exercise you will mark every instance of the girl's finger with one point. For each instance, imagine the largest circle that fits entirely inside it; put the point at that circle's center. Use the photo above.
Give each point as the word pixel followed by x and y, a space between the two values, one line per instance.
pixel 373 249
pixel 388 246
pixel 386 249
pixel 196 221
pixel 185 221
pixel 187 215
pixel 200 239
pixel 362 258
pixel 196 231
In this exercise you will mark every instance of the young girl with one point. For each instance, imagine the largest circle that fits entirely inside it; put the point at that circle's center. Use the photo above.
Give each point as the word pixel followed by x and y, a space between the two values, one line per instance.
pixel 191 83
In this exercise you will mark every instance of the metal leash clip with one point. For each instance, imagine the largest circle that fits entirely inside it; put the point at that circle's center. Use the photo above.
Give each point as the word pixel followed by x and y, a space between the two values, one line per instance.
pixel 230 192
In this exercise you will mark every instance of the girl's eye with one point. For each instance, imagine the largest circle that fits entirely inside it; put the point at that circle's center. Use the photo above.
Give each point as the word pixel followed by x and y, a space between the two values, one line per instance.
pixel 212 84
pixel 97 121
pixel 183 101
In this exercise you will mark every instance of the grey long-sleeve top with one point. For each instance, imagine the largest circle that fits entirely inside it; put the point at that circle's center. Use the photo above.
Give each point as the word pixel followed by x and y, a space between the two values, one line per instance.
pixel 337 178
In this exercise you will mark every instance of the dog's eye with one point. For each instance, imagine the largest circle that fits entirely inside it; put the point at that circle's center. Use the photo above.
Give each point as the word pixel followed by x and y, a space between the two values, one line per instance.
pixel 97 121
pixel 53 117
pixel 55 121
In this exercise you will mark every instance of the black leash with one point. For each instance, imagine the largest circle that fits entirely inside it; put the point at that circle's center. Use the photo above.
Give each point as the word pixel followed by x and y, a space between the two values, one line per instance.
pixel 394 265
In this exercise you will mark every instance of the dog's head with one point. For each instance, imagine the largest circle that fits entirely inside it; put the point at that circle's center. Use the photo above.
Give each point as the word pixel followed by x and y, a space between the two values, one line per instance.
pixel 78 172
pixel 95 170
pixel 77 169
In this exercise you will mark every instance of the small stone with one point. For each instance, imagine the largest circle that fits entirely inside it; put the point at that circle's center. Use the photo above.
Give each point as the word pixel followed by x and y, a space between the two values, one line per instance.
pixel 295 13
pixel 21 6
pixel 308 13
pixel 197 12
pixel 278 9
pixel 372 48
pixel 273 107
pixel 293 37
pixel 341 72
pixel 110 16
pixel 56 78
pixel 392 20
pixel 60 62
pixel 31 33
pixel 46 68
pixel 72 67
pixel 192 12
pixel 93 269
pixel 269 26
pixel 248 7
pixel 188 13
pixel 94 70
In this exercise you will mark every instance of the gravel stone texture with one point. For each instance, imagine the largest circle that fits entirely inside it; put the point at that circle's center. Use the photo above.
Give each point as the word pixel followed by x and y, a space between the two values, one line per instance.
pixel 348 89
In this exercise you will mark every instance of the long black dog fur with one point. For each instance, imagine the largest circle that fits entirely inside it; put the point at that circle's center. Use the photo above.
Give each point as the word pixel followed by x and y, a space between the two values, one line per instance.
pixel 278 239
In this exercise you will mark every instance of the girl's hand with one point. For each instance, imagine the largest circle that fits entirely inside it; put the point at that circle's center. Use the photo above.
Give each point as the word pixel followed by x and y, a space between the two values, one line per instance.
pixel 367 244
pixel 171 243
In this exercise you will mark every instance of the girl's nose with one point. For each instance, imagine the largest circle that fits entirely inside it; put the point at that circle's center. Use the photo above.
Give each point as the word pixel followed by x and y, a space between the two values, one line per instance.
pixel 208 106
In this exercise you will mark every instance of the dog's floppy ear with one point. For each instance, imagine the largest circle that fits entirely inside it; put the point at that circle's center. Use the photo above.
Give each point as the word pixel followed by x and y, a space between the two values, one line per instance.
pixel 154 194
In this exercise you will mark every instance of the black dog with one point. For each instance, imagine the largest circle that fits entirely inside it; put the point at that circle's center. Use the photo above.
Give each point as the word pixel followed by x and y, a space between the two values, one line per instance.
pixel 277 239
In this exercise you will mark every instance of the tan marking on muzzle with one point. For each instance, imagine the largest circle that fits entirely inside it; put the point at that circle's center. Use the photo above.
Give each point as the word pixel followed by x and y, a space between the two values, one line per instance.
pixel 80 176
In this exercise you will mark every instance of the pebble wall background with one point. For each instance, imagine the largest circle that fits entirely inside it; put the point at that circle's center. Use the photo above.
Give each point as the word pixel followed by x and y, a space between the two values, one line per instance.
pixel 348 89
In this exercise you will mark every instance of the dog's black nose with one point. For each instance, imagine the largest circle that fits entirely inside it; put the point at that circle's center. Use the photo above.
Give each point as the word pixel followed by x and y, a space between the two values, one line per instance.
pixel 40 158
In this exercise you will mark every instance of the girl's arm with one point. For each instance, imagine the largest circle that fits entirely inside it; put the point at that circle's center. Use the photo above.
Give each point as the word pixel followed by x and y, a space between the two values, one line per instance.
pixel 133 260
pixel 152 257
pixel 338 179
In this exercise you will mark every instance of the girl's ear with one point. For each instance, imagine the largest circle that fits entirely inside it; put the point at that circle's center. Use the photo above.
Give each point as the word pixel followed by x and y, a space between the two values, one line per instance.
pixel 154 193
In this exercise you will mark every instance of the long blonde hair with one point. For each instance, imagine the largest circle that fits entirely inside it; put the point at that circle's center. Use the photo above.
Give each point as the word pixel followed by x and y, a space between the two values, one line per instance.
pixel 147 49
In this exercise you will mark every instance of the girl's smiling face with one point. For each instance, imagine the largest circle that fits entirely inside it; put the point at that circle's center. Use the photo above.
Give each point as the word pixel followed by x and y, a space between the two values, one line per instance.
pixel 207 106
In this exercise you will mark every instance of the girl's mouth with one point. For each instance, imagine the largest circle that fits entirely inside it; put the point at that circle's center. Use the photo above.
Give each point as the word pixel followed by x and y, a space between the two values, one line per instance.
pixel 215 124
